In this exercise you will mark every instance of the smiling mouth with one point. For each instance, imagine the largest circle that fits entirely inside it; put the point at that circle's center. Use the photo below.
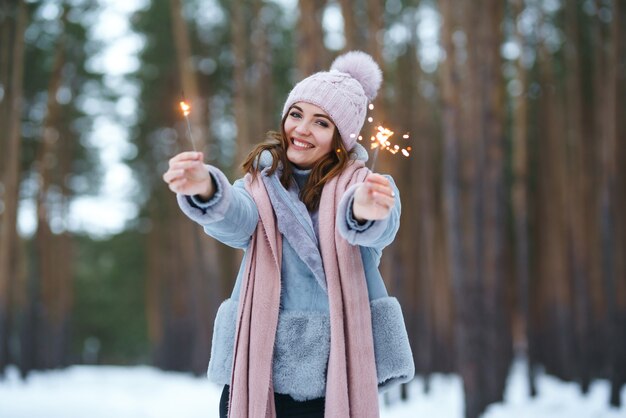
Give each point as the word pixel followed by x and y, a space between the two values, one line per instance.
pixel 301 144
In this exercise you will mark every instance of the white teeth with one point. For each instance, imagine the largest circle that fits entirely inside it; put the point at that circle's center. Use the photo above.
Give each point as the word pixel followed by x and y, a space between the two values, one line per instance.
pixel 302 144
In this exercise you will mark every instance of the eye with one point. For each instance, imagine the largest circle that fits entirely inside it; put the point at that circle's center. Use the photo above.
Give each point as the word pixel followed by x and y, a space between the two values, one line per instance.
pixel 295 114
pixel 323 123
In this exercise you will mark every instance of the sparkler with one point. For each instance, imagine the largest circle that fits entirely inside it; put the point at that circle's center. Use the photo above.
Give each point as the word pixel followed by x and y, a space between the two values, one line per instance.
pixel 186 109
pixel 380 141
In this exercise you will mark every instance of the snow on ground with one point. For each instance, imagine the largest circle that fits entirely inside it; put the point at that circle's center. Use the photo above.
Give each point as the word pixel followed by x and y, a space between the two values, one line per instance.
pixel 145 392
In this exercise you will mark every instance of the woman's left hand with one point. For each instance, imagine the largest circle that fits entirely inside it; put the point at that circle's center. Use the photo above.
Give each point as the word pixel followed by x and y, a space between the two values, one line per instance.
pixel 373 199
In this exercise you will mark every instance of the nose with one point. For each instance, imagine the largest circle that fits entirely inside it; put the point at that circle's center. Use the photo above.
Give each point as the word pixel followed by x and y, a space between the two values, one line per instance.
pixel 303 128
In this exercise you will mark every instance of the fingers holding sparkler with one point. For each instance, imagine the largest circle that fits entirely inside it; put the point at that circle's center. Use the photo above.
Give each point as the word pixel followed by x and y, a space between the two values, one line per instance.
pixel 374 199
pixel 187 175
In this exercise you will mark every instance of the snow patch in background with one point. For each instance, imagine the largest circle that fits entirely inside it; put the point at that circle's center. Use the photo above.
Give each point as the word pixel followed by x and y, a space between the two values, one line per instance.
pixel 146 392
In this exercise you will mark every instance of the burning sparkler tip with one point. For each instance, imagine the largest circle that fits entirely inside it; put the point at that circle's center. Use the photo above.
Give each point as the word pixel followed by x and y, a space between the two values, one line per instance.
pixel 185 108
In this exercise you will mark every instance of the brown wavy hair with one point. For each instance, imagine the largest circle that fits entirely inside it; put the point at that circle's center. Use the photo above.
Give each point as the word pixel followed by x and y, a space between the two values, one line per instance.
pixel 325 169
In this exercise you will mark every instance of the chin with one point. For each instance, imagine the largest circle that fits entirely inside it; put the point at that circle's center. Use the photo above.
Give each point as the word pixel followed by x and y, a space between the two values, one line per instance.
pixel 303 164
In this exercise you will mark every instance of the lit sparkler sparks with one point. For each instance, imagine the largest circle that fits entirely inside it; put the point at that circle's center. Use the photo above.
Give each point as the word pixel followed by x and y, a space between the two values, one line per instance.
pixel 186 109
pixel 380 141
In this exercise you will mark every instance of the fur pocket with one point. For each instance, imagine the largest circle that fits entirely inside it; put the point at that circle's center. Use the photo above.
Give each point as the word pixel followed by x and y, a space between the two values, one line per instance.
pixel 221 361
pixel 394 359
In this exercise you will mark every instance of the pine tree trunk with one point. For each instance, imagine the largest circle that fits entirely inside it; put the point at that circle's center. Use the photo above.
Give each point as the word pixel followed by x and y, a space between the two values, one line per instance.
pixel 11 118
pixel 376 17
pixel 520 200
pixel 413 243
pixel 577 196
pixel 45 306
pixel 241 104
pixel 497 335
pixel 619 35
pixel 263 112
pixel 47 162
pixel 608 195
pixel 351 27
pixel 310 50
pixel 472 163
pixel 474 197
pixel 452 205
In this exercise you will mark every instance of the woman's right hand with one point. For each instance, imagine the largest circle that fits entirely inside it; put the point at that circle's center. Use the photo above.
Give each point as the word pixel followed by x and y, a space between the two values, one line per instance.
pixel 187 175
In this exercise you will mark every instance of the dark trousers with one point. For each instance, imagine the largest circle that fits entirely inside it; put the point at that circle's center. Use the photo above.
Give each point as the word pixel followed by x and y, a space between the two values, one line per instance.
pixel 286 406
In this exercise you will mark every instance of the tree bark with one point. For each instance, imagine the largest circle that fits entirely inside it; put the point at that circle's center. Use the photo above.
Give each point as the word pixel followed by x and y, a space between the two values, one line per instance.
pixel 239 30
pixel 263 114
pixel 497 338
pixel 577 195
pixel 351 27
pixel 520 197
pixel 376 18
pixel 311 52
pixel 452 202
pixel 43 298
pixel 608 193
pixel 619 35
pixel 11 175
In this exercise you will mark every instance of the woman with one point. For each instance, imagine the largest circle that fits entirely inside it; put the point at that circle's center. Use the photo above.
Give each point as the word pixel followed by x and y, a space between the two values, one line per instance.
pixel 309 329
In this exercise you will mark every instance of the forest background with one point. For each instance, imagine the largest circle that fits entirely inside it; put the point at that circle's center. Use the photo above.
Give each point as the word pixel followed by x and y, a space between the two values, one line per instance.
pixel 513 236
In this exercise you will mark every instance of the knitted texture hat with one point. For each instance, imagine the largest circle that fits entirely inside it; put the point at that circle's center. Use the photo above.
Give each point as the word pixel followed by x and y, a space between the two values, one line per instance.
pixel 343 92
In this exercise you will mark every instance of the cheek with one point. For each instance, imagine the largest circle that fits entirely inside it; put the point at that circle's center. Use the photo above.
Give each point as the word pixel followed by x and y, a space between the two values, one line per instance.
pixel 328 142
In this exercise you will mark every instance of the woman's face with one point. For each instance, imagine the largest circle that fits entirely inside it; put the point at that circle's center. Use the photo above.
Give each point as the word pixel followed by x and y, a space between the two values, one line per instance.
pixel 309 132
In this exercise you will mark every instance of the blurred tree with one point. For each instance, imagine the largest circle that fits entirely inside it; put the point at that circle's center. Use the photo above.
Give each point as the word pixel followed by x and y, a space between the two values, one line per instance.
pixel 619 34
pixel 262 96
pixel 352 11
pixel 475 202
pixel 608 210
pixel 312 55
pixel 49 291
pixel 241 95
pixel 52 129
pixel 578 193
pixel 12 26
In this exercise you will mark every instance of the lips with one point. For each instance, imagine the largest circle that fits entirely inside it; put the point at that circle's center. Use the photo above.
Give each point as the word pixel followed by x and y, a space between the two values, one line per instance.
pixel 301 145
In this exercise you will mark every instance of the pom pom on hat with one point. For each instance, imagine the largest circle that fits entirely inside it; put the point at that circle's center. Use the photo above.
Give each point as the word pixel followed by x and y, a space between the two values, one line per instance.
pixel 343 92
pixel 363 69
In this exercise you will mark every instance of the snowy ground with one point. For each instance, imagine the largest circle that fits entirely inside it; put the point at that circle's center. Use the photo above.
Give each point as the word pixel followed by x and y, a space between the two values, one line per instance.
pixel 145 392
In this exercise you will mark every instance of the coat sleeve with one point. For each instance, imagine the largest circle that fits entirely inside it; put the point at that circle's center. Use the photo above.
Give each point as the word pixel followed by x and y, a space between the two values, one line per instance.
pixel 230 216
pixel 375 234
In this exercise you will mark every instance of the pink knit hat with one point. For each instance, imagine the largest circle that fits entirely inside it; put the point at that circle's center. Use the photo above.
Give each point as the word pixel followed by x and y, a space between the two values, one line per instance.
pixel 343 92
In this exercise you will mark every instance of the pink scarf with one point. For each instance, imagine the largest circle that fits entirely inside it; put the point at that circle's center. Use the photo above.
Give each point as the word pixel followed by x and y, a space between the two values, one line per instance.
pixel 351 383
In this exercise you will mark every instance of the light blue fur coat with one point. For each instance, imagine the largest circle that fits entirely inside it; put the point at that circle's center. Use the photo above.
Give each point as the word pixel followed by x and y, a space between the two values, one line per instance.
pixel 302 342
